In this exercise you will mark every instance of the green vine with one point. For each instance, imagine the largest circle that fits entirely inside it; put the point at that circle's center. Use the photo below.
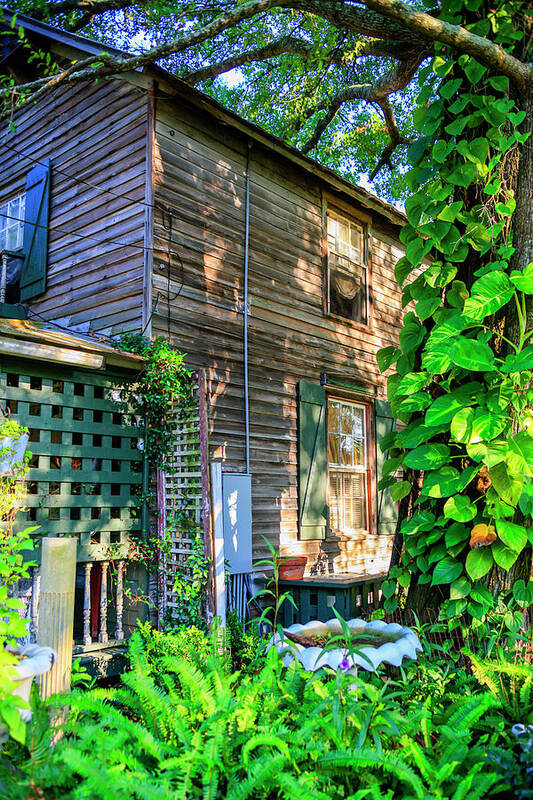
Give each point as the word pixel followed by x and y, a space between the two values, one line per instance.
pixel 165 390
pixel 165 395
pixel 462 385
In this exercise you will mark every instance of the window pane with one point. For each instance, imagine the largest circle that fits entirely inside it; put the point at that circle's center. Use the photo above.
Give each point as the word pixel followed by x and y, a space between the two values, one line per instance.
pixel 333 416
pixel 12 223
pixel 347 445
pixel 333 449
pixel 347 466
pixel 347 292
pixel 347 418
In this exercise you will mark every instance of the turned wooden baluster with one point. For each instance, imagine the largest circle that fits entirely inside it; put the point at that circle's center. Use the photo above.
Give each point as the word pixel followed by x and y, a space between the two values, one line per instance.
pixel 102 636
pixel 87 604
pixel 119 633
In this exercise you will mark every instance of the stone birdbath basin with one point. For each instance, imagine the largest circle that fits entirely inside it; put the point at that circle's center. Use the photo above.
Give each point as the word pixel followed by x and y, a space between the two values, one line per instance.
pixel 372 643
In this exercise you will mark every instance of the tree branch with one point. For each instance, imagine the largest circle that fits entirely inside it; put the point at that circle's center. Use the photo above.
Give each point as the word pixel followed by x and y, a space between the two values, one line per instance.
pixel 427 27
pixel 275 48
pixel 378 92
pixel 299 47
pixel 109 65
pixel 396 139
pixel 356 19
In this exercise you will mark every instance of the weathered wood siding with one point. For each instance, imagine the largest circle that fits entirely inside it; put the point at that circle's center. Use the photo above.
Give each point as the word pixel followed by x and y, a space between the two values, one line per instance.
pixel 97 134
pixel 199 172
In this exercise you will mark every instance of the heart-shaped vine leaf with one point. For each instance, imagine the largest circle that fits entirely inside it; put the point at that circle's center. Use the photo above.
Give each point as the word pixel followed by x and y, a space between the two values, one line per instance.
pixel 479 562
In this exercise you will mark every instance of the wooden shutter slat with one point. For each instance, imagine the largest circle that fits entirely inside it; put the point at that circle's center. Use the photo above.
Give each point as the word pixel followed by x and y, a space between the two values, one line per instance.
pixel 312 461
pixel 33 277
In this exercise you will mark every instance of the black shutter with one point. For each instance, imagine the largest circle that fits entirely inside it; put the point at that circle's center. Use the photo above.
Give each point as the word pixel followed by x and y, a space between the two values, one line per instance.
pixel 33 278
pixel 387 507
pixel 312 461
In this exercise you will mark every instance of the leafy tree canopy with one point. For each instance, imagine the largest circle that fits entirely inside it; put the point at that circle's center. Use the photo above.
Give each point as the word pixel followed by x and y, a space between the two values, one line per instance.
pixel 336 78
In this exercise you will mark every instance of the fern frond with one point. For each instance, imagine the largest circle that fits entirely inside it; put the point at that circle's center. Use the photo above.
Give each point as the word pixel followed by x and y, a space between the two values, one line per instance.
pixel 367 758
pixel 259 775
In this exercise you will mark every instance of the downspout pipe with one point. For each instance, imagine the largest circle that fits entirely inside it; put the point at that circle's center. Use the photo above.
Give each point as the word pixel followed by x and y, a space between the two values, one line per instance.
pixel 245 310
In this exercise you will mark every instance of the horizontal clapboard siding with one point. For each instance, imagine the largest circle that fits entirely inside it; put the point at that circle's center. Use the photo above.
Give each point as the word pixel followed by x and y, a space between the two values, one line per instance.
pixel 96 133
pixel 200 173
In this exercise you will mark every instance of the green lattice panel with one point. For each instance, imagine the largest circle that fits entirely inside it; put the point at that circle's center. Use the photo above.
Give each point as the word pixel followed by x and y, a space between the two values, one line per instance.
pixel 86 470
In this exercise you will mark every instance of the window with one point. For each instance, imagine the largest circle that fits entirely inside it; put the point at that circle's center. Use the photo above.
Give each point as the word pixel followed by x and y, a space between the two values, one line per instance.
pixel 24 233
pixel 12 223
pixel 348 473
pixel 347 279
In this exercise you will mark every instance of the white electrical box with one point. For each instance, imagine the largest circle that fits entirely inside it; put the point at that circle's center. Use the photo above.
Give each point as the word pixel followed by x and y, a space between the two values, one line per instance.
pixel 237 520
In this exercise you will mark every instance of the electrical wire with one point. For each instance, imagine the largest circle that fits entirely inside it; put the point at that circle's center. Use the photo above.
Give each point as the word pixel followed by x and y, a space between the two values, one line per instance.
pixel 142 247
pixel 78 180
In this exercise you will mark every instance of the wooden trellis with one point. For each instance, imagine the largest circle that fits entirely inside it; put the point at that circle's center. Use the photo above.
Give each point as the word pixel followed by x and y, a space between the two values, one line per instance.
pixel 183 488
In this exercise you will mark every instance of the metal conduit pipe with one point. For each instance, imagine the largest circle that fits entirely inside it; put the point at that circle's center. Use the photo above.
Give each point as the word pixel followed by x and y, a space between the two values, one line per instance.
pixel 245 310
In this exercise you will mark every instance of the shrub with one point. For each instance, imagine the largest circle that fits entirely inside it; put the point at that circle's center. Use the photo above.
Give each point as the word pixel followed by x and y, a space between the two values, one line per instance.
pixel 190 644
pixel 245 643
pixel 191 732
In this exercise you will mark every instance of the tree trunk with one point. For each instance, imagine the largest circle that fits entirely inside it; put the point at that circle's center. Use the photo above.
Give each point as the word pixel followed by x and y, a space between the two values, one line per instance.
pixel 522 227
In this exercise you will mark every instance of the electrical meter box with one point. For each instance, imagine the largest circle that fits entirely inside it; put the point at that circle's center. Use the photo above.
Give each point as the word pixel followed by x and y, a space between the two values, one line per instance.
pixel 237 520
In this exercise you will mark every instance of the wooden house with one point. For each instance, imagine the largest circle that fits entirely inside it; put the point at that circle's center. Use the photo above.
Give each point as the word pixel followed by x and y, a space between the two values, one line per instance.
pixel 142 204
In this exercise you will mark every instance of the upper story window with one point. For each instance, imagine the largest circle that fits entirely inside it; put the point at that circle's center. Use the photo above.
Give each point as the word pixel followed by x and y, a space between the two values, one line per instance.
pixel 12 223
pixel 347 272
pixel 24 233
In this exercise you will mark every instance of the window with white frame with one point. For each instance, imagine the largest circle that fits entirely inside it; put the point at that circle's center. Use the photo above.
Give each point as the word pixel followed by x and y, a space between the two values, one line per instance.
pixel 347 273
pixel 12 223
pixel 347 467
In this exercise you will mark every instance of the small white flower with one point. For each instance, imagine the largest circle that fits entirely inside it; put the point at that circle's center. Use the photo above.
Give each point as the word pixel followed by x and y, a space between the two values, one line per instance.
pixel 116 395
pixel 140 444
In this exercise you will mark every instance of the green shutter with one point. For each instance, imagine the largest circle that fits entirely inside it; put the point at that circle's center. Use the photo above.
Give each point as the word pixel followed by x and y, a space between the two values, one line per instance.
pixel 33 277
pixel 312 461
pixel 387 507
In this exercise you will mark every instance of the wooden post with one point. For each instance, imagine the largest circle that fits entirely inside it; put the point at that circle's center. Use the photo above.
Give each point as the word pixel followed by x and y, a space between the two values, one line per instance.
pixel 162 561
pixel 119 633
pixel 56 610
pixel 102 636
pixel 218 529
pixel 206 516
pixel 87 604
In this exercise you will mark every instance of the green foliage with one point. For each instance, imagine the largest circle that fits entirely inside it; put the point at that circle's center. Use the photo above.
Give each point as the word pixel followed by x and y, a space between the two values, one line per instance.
pixel 165 396
pixel 510 683
pixel 466 350
pixel 14 565
pixel 165 390
pixel 188 643
pixel 201 731
pixel 245 643
pixel 517 771
pixel 189 589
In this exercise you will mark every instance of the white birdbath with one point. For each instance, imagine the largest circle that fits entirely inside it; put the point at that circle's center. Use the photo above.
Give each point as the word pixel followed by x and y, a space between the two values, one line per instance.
pixel 34 660
pixel 393 643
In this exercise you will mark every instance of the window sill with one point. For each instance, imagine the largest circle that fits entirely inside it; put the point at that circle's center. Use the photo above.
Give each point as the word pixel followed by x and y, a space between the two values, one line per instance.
pixel 365 327
pixel 337 536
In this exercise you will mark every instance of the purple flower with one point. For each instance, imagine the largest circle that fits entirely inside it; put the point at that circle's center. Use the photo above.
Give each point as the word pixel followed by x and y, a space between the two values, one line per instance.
pixel 345 664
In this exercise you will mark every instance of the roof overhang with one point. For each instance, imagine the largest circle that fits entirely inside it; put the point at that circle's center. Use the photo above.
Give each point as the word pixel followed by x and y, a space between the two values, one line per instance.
pixel 25 339
pixel 175 87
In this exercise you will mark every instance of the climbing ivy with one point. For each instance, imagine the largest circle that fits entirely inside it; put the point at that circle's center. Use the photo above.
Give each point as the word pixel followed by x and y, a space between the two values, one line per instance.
pixel 462 387
pixel 164 391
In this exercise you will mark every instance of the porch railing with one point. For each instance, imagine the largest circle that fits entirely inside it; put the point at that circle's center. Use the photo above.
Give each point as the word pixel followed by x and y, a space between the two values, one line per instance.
pixel 99 608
